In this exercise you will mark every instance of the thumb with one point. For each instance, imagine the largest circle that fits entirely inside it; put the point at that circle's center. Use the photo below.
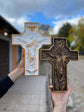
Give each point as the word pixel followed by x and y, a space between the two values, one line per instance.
pixel 51 87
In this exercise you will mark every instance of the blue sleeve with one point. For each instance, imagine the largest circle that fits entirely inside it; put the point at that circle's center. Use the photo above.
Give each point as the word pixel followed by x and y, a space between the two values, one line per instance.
pixel 5 84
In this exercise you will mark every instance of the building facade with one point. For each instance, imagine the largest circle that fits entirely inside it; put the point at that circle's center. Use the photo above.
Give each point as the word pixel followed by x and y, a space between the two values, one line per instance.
pixel 9 54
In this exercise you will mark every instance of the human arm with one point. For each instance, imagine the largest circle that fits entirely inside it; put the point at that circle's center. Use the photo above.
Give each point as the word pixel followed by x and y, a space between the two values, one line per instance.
pixel 8 81
pixel 19 71
pixel 60 100
pixel 5 84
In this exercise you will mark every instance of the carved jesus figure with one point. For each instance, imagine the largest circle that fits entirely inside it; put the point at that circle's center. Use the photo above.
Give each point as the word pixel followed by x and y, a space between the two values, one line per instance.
pixel 59 55
pixel 31 40
pixel 31 57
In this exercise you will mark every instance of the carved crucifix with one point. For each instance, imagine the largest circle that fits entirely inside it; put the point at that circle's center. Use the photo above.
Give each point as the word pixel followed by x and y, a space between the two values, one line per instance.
pixel 59 56
pixel 31 39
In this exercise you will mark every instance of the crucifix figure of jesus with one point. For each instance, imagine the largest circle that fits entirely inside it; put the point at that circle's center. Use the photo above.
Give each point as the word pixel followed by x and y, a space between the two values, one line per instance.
pixel 59 56
pixel 31 40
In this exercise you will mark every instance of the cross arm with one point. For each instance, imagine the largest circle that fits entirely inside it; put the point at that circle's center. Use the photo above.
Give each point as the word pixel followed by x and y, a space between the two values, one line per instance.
pixel 45 54
pixel 74 55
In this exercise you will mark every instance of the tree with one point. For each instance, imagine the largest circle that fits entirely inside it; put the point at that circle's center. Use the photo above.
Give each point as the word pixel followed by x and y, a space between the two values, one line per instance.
pixel 77 35
pixel 64 31
pixel 45 28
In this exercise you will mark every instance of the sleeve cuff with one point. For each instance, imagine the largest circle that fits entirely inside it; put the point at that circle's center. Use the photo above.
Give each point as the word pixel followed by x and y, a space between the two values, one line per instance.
pixel 8 82
pixel 5 84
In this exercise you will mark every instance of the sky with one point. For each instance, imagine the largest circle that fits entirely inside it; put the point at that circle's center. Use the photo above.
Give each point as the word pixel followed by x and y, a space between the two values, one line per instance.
pixel 52 12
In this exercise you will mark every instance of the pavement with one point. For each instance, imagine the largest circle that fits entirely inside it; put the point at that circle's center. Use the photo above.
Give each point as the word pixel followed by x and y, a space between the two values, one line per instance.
pixel 76 83
pixel 76 70
pixel 28 94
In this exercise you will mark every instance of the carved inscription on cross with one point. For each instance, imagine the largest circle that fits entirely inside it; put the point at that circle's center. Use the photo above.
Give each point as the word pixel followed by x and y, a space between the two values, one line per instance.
pixel 58 55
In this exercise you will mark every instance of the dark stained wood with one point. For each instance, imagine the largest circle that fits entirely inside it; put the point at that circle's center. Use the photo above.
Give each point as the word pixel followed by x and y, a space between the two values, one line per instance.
pixel 58 55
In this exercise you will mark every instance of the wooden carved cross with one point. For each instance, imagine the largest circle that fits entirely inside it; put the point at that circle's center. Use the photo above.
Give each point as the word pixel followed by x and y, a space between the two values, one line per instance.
pixel 58 55
pixel 31 39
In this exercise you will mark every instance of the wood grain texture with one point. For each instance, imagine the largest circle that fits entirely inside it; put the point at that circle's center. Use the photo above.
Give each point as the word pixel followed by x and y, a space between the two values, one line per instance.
pixel 58 55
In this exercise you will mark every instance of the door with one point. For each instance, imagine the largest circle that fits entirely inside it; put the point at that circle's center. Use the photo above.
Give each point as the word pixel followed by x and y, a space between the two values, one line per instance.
pixel 4 58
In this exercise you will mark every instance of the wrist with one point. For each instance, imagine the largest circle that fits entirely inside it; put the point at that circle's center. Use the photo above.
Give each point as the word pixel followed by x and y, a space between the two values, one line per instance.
pixel 20 71
pixel 60 108
pixel 15 74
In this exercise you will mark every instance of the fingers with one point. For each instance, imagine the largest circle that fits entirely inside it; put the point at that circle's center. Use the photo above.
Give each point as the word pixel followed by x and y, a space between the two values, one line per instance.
pixel 51 87
pixel 69 90
pixel 22 53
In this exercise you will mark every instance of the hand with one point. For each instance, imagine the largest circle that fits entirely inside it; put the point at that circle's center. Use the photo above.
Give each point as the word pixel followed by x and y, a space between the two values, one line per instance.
pixel 19 71
pixel 21 63
pixel 60 98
